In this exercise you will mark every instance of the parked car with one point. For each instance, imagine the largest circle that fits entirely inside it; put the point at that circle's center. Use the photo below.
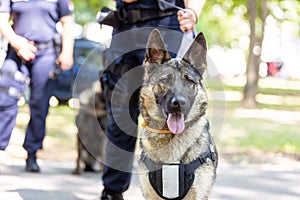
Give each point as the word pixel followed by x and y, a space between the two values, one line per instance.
pixel 88 61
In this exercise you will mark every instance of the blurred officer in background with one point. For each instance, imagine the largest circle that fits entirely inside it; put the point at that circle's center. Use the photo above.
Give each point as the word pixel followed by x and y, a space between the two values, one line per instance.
pixel 142 16
pixel 32 55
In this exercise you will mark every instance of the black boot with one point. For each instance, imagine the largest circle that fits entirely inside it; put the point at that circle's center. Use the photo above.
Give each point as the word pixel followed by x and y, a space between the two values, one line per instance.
pixel 109 195
pixel 31 165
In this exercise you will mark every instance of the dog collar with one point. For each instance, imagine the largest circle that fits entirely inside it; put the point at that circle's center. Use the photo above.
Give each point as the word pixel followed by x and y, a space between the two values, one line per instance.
pixel 163 131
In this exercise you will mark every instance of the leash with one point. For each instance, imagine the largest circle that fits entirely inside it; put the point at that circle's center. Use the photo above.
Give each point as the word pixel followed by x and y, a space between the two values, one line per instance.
pixel 172 5
pixel 144 125
pixel 187 38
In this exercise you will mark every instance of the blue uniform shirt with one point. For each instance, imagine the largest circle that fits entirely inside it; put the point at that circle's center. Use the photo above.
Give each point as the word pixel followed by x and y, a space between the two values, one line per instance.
pixel 36 19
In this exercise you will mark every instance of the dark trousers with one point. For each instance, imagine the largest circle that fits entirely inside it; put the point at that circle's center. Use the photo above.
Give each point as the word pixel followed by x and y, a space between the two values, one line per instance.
pixel 41 88
pixel 121 133
pixel 119 153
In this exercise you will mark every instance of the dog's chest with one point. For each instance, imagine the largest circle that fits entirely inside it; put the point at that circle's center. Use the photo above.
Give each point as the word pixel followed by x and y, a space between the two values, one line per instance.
pixel 172 175
pixel 171 149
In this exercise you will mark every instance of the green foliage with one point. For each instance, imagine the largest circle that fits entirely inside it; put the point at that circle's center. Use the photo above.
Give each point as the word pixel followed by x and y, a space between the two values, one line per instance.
pixel 86 11
pixel 224 22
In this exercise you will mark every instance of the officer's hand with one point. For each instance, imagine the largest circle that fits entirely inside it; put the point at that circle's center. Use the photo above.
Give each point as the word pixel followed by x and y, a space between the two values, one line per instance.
pixel 65 60
pixel 24 48
pixel 187 20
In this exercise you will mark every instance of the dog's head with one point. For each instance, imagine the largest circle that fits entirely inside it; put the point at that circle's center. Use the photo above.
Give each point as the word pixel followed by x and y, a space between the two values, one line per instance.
pixel 171 86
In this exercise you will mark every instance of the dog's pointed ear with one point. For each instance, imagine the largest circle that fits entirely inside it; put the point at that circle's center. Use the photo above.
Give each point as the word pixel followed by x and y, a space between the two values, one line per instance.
pixel 156 51
pixel 196 54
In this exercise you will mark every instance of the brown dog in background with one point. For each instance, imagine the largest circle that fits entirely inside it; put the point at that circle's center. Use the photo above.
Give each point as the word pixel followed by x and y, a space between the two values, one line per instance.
pixel 90 122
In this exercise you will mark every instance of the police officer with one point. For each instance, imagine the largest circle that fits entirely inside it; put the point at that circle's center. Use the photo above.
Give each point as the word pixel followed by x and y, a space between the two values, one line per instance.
pixel 31 52
pixel 124 75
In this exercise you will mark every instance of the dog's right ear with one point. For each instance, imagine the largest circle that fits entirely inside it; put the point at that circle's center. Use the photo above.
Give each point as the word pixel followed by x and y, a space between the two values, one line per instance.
pixel 156 51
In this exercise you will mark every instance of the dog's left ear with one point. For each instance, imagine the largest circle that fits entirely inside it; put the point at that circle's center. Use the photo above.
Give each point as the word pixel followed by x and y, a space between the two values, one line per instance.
pixel 196 54
pixel 156 51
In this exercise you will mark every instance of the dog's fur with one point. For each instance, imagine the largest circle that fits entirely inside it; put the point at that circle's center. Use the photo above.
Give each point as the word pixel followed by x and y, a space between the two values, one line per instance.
pixel 173 98
pixel 90 123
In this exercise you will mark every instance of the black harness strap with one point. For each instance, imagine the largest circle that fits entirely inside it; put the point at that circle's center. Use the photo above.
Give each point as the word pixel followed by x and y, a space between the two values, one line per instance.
pixel 190 167
pixel 151 165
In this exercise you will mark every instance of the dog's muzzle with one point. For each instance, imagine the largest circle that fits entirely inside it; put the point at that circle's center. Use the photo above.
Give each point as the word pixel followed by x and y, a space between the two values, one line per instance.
pixel 175 110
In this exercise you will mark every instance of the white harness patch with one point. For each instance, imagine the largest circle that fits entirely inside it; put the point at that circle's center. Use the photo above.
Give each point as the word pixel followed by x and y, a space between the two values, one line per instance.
pixel 170 181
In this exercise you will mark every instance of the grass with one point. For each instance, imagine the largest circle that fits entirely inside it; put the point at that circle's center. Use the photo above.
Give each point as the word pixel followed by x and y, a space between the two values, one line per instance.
pixel 60 121
pixel 265 135
pixel 60 126
pixel 272 127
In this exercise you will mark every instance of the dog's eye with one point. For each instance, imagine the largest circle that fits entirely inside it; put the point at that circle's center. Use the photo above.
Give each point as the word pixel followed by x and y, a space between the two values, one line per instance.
pixel 165 80
pixel 189 80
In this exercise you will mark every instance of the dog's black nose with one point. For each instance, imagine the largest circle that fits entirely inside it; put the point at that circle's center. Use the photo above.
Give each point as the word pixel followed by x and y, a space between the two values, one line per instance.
pixel 177 102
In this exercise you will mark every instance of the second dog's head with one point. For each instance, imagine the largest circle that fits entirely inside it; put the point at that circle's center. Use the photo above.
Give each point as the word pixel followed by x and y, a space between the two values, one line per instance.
pixel 172 86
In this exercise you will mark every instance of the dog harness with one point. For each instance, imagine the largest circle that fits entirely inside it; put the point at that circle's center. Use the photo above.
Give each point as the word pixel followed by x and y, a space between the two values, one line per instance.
pixel 173 181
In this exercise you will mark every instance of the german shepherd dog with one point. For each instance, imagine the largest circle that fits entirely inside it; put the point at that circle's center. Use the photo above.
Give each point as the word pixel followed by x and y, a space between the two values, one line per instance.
pixel 90 122
pixel 179 158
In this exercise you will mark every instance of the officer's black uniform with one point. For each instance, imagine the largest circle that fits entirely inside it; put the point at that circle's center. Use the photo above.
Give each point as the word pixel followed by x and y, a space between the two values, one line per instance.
pixel 122 79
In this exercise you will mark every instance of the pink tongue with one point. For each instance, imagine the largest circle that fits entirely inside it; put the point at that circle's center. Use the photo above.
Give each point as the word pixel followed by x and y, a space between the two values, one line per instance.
pixel 175 123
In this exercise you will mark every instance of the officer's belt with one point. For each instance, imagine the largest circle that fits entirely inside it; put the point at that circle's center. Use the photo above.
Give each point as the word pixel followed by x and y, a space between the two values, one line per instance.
pixel 139 15
pixel 44 45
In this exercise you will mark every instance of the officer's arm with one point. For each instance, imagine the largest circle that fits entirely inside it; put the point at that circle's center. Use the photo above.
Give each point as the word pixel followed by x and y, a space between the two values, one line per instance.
pixel 66 57
pixel 195 5
pixel 25 49
pixel 188 18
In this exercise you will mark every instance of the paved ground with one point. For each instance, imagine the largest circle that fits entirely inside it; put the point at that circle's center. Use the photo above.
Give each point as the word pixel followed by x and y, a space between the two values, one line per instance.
pixel 56 182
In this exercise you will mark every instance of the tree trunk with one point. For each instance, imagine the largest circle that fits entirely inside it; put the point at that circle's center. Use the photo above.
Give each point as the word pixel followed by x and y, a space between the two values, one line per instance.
pixel 251 87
